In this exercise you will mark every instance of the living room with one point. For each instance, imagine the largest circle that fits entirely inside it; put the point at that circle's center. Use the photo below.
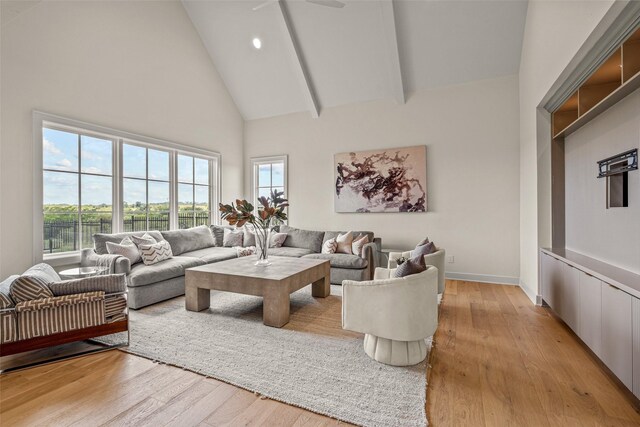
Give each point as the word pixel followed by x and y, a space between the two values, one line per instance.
pixel 142 117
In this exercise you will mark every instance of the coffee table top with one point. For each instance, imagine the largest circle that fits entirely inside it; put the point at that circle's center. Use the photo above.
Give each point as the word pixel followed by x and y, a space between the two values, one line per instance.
pixel 280 268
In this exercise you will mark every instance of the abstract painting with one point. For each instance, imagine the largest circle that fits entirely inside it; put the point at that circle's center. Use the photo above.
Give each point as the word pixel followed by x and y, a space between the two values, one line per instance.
pixel 393 180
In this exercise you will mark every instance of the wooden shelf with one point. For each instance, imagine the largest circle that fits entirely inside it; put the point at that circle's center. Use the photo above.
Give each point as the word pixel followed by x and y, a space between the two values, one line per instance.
pixel 613 98
pixel 631 57
pixel 616 78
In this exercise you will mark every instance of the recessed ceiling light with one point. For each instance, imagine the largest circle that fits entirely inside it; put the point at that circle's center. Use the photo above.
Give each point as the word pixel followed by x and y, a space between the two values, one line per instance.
pixel 257 43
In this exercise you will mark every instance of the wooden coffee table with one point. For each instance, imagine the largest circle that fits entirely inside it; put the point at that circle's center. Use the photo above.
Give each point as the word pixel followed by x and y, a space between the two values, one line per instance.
pixel 274 283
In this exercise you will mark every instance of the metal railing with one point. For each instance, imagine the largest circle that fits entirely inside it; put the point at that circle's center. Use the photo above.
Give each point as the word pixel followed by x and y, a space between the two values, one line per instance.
pixel 63 235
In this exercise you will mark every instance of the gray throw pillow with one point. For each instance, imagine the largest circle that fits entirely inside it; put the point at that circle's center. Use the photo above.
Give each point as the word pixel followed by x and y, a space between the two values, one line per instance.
pixel 423 242
pixel 126 248
pixel 232 238
pixel 218 233
pixel 249 238
pixel 409 267
pixel 145 239
pixel 423 250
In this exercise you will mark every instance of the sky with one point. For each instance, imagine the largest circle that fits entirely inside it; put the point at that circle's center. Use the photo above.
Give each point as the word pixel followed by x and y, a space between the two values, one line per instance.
pixel 60 155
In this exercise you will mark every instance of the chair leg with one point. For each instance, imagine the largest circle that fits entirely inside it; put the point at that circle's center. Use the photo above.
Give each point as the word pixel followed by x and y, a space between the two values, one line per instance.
pixel 393 352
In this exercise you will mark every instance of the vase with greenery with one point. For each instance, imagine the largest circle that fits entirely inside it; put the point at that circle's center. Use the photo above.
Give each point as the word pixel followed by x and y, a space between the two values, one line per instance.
pixel 271 212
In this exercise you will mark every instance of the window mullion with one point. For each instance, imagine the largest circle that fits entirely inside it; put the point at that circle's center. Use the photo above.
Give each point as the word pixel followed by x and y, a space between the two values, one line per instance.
pixel 79 236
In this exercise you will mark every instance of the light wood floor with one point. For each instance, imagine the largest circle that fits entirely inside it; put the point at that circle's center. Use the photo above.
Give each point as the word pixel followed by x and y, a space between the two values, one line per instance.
pixel 498 361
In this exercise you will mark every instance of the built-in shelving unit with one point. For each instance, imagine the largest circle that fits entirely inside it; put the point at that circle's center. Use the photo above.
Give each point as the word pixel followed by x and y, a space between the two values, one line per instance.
pixel 616 78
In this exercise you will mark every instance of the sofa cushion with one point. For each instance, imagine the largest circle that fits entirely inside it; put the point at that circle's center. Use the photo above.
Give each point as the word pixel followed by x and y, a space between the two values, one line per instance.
pixel 188 240
pixel 215 254
pixel 218 233
pixel 291 252
pixel 341 260
pixel 142 275
pixel 100 239
pixel 333 234
pixel 5 292
pixel 306 239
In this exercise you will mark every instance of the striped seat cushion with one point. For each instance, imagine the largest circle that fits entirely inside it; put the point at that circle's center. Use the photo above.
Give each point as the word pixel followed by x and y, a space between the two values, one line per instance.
pixel 26 288
pixel 154 253
pixel 46 316
pixel 115 306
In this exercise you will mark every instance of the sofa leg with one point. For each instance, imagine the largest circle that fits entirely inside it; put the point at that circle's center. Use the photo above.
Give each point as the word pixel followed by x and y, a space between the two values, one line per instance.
pixel 393 352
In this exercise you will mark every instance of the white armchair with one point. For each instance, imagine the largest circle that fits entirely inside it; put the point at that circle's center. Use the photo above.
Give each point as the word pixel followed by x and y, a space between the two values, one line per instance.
pixel 435 259
pixel 395 314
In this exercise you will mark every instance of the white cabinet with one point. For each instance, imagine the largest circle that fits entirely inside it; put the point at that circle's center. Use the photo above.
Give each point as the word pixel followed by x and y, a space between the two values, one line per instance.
pixel 551 281
pixel 570 296
pixel 590 328
pixel 636 347
pixel 617 333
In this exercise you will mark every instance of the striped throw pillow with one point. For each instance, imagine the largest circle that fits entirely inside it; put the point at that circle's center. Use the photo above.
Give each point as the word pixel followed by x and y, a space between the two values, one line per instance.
pixel 26 288
pixel 5 301
pixel 153 254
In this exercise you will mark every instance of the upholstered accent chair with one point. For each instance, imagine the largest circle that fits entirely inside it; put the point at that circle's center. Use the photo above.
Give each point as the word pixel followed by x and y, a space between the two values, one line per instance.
pixel 395 314
pixel 435 259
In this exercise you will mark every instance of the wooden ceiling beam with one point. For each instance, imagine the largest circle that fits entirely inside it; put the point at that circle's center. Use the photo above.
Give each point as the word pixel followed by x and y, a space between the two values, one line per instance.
pixel 300 67
pixel 391 37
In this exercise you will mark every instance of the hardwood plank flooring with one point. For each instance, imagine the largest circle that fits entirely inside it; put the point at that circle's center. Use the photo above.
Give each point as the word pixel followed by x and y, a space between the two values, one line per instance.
pixel 497 361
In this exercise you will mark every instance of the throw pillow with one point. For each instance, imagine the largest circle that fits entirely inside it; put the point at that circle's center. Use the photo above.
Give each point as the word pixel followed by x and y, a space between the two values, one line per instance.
pixel 155 252
pixel 240 251
pixel 358 244
pixel 423 250
pixel 126 248
pixel 145 239
pixel 344 243
pixel 277 240
pixel 423 242
pixel 26 288
pixel 249 237
pixel 330 246
pixel 409 267
pixel 232 238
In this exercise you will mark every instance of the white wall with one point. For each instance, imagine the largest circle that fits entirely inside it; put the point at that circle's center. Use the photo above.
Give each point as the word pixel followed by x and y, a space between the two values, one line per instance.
pixel 134 66
pixel 611 235
pixel 471 133
pixel 553 34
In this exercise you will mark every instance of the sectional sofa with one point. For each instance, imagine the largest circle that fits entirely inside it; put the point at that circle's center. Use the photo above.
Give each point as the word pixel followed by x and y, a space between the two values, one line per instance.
pixel 149 284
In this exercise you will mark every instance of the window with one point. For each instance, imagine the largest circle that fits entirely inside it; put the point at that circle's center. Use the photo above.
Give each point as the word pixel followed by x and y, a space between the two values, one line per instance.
pixel 269 173
pixel 193 191
pixel 145 188
pixel 99 180
pixel 77 177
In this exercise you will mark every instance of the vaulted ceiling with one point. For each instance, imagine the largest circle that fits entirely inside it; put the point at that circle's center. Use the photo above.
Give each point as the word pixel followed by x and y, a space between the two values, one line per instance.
pixel 314 56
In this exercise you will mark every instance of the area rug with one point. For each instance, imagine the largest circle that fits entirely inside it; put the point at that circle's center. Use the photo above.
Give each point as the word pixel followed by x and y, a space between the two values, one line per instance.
pixel 310 363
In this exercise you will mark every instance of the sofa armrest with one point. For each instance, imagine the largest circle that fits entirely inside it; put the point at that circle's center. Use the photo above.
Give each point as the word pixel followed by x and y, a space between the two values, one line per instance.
pixel 370 253
pixel 109 284
pixel 117 263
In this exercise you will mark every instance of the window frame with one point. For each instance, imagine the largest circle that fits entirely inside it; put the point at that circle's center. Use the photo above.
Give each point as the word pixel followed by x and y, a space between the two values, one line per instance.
pixel 41 120
pixel 255 163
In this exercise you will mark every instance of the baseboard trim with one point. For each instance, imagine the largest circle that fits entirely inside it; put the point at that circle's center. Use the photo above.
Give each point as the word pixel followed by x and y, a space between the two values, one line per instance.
pixel 535 299
pixel 483 278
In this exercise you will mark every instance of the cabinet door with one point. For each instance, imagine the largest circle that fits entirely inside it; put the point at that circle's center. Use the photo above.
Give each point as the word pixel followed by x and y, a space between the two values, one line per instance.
pixel 590 330
pixel 636 347
pixel 570 297
pixel 551 281
pixel 617 333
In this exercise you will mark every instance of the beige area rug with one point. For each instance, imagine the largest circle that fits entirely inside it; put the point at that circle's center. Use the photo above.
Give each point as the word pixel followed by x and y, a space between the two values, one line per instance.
pixel 310 363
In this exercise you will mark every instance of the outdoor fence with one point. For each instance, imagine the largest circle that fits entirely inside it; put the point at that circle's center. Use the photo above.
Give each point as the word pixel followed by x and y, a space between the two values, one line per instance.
pixel 63 235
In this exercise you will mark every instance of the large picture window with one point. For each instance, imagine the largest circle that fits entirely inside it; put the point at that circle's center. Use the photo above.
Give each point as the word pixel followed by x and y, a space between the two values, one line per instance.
pixel 77 189
pixel 98 180
pixel 268 174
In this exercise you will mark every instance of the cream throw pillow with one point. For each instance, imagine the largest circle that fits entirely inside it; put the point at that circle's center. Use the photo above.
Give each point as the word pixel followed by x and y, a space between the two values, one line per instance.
pixel 126 248
pixel 330 246
pixel 358 244
pixel 344 243
pixel 156 252
pixel 232 238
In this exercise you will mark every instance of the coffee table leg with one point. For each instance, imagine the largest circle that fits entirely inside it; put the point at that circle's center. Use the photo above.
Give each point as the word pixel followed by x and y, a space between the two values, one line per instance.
pixel 276 308
pixel 321 288
pixel 196 299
